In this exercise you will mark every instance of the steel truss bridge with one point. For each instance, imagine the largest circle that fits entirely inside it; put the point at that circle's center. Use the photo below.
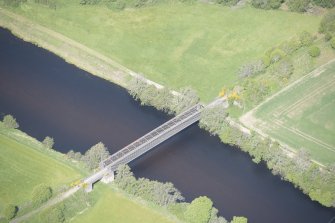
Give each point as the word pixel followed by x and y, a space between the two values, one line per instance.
pixel 144 144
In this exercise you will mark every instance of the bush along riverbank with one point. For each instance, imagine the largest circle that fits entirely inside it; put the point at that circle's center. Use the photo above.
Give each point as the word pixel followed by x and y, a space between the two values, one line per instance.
pixel 165 195
pixel 317 182
pixel 156 195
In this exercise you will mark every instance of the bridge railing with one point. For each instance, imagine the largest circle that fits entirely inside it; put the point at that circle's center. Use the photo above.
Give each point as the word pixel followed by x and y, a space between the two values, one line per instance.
pixel 153 138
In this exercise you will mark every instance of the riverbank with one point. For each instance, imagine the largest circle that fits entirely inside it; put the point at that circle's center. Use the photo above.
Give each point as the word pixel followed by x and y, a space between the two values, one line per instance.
pixel 117 120
pixel 176 51
pixel 66 48
pixel 25 164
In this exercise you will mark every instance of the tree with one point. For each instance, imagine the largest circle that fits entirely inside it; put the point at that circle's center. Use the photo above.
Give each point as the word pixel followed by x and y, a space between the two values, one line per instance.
pixel 249 69
pixel 327 24
pixel 187 99
pixel 10 122
pixel 41 193
pixel 227 2
pixel 298 5
pixel 89 2
pixel 14 3
pixel 148 94
pixel 10 211
pixel 213 119
pixel 124 177
pixel 199 211
pixel 215 218
pixel 55 215
pixel 314 51
pixel 306 39
pixel 95 155
pixel 276 55
pixel 332 42
pixel 239 220
pixel 48 142
pixel 283 69
pixel 325 3
pixel 50 3
pixel 267 4
pixel 256 91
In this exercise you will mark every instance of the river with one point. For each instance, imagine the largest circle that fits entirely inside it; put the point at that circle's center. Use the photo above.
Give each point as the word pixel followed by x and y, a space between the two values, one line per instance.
pixel 50 97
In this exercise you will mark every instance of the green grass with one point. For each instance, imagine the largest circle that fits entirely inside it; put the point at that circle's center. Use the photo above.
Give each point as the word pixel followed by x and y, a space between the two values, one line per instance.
pixel 23 165
pixel 177 45
pixel 112 206
pixel 303 115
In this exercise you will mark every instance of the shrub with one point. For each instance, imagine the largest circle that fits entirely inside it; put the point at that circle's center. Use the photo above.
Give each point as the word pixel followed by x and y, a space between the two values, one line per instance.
pixel 89 2
pixel 10 211
pixel 256 91
pixel 199 211
pixel 332 43
pixel 14 3
pixel 50 3
pixel 251 69
pixel 227 2
pixel 325 3
pixel 290 46
pixel 188 98
pixel 55 215
pixel 314 51
pixel 163 194
pixel 328 37
pixel 306 39
pixel 327 24
pixel 267 4
pixel 10 122
pixel 213 119
pixel 147 94
pixel 276 55
pixel 48 142
pixel 239 220
pixel 95 155
pixel 298 5
pixel 266 61
pixel 116 5
pixel 41 193
pixel 284 69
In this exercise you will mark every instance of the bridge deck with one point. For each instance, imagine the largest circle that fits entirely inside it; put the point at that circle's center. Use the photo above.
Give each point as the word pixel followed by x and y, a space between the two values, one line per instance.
pixel 117 157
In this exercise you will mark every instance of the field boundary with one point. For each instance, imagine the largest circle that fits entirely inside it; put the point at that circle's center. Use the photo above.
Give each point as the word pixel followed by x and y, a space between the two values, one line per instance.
pixel 249 120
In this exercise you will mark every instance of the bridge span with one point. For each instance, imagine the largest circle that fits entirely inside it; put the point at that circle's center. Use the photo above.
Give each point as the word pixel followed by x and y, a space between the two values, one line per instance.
pixel 143 145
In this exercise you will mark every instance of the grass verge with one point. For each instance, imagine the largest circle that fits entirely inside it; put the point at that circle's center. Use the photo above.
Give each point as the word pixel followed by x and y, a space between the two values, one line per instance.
pixel 25 163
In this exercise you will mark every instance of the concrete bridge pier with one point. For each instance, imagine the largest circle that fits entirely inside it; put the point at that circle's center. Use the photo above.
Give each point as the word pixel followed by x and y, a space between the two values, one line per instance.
pixel 88 187
pixel 108 177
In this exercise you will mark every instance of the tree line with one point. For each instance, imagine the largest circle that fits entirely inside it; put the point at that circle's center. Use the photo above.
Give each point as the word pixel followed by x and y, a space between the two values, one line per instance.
pixel 318 183
pixel 200 210
pixel 162 99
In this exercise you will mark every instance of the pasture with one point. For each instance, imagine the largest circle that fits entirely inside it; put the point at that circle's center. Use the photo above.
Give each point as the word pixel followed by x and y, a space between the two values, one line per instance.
pixel 175 44
pixel 24 164
pixel 112 206
pixel 302 116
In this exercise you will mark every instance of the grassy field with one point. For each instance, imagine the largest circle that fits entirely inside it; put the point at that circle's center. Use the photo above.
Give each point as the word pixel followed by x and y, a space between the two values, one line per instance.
pixel 174 44
pixel 23 165
pixel 303 115
pixel 112 206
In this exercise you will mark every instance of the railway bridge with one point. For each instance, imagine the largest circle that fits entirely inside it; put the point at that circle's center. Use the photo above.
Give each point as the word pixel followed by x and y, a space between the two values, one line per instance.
pixel 143 145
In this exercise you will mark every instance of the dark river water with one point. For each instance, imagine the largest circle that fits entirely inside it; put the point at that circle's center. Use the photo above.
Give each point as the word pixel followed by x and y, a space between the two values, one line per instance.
pixel 49 97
